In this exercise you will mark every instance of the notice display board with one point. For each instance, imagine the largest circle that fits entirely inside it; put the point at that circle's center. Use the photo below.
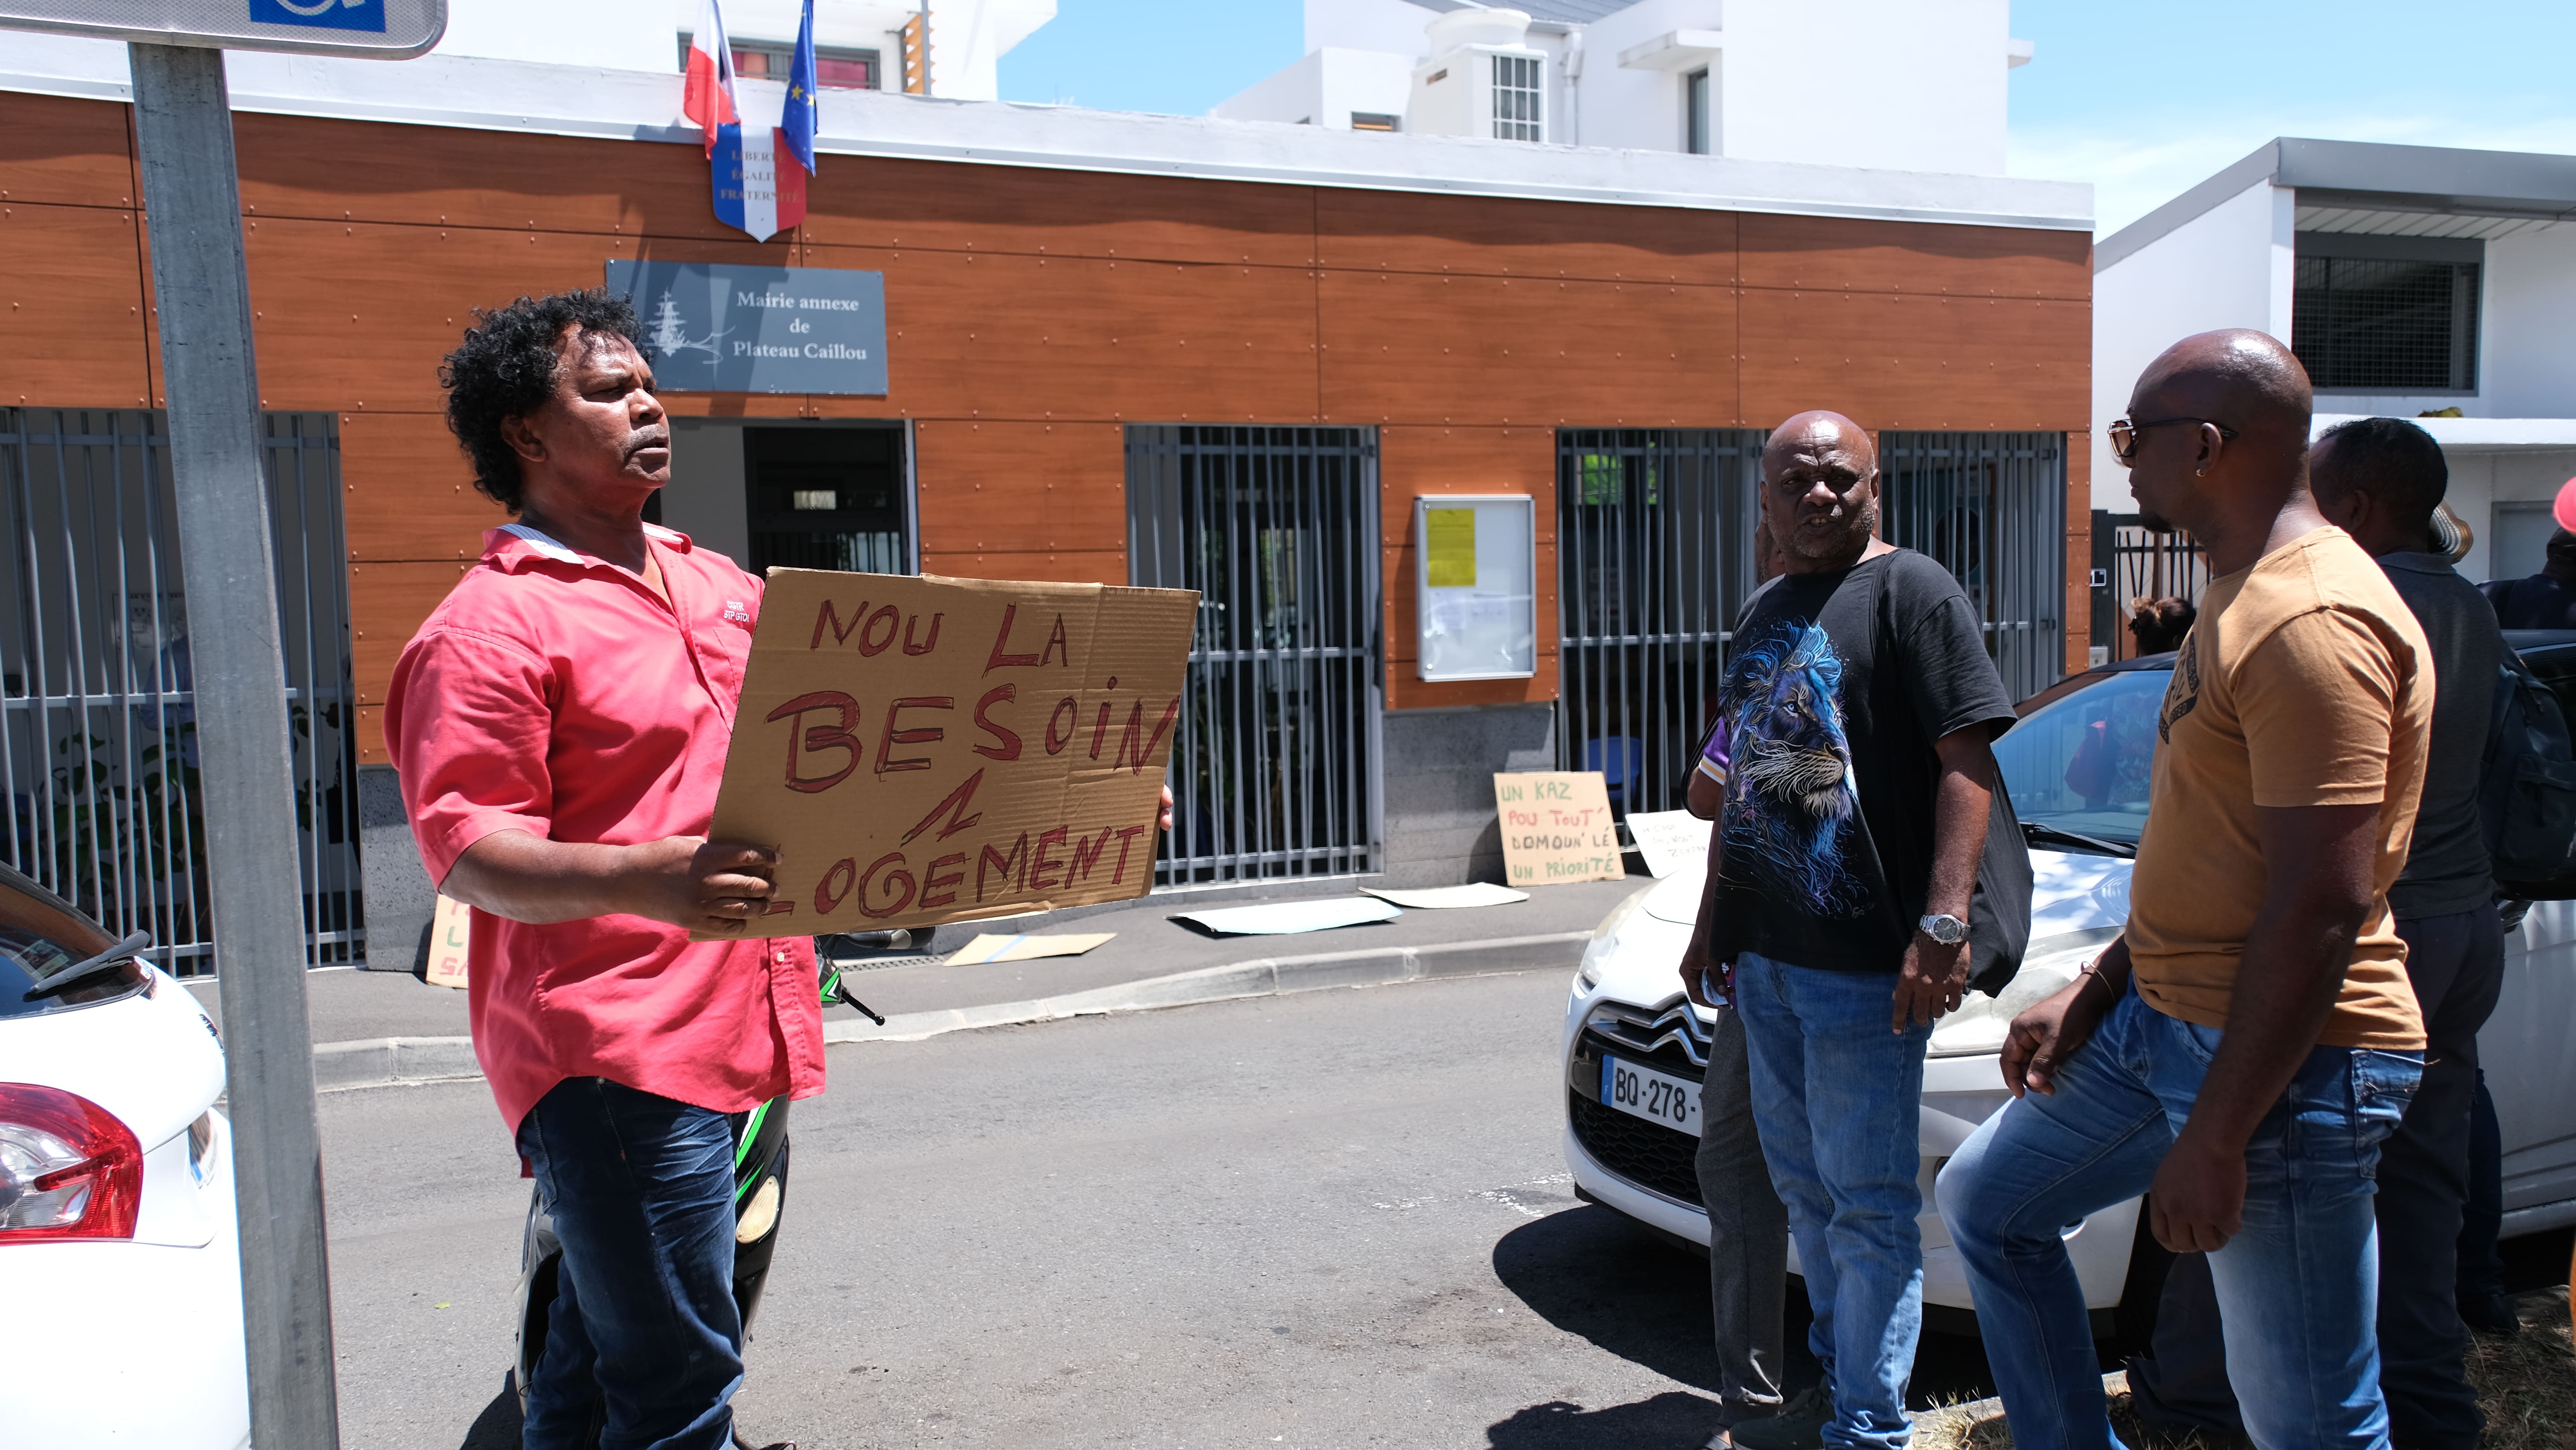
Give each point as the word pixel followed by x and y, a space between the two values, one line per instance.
pixel 716 328
pixel 1557 828
pixel 451 945
pixel 927 750
pixel 1476 602
pixel 366 29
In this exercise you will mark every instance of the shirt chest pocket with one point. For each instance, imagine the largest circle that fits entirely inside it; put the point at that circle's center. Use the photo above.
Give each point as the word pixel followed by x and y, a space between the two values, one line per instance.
pixel 724 652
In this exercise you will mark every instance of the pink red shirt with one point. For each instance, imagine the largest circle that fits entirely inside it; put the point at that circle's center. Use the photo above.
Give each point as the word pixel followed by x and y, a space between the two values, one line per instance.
pixel 553 693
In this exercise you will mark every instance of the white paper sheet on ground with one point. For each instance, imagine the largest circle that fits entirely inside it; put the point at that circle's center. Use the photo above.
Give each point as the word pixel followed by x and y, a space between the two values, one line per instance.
pixel 991 948
pixel 1282 917
pixel 1477 893
pixel 1669 840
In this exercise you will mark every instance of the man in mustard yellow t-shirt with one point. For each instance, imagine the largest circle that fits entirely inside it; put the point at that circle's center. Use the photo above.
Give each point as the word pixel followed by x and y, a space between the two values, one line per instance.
pixel 2243 1048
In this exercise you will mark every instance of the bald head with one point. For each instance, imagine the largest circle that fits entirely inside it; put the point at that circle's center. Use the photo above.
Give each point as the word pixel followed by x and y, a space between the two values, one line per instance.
pixel 2218 443
pixel 1820 491
pixel 1815 430
pixel 2238 377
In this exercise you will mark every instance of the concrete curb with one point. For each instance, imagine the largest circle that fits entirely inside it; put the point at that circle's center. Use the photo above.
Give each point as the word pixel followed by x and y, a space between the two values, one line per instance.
pixel 391 1061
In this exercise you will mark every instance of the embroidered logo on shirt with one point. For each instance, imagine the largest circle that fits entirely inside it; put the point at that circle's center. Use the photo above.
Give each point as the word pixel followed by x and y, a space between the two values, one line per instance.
pixel 735 611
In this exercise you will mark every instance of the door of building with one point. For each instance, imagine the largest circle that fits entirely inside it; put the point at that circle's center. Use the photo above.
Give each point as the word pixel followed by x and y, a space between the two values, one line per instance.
pixel 98 757
pixel 1654 557
pixel 1275 763
pixel 1991 507
pixel 829 496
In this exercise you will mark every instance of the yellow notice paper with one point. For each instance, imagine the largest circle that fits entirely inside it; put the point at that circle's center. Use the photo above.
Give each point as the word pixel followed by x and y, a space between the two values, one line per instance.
pixel 450 934
pixel 1452 547
pixel 1557 828
pixel 990 948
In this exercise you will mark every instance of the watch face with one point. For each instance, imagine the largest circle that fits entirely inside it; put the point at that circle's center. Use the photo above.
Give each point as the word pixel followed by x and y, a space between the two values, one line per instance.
pixel 1949 931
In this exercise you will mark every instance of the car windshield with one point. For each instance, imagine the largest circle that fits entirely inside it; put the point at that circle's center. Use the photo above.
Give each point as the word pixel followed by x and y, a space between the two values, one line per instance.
pixel 2081 760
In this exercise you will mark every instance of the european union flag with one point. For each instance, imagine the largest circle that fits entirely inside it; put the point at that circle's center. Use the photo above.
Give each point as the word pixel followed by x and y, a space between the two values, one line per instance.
pixel 796 124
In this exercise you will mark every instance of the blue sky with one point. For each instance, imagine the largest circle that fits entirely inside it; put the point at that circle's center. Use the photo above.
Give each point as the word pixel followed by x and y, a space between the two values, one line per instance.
pixel 2142 101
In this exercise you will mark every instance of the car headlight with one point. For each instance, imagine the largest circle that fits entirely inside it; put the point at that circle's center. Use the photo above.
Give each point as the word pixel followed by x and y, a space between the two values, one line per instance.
pixel 1982 1022
pixel 1588 975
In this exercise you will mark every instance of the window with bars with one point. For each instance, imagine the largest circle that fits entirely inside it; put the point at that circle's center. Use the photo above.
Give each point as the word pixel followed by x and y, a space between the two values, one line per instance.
pixel 1519 106
pixel 2387 314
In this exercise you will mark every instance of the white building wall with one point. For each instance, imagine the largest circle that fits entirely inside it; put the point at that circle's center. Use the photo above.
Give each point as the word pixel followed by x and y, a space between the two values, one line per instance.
pixel 604 33
pixel 2527 327
pixel 2228 267
pixel 1918 85
pixel 1325 87
pixel 1915 85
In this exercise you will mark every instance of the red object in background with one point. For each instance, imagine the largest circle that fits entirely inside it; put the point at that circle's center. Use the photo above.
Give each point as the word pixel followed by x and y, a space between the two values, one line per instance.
pixel 2565 509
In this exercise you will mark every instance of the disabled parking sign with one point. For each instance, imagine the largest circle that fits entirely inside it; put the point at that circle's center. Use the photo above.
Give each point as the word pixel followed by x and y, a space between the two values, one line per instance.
pixel 362 29
pixel 322 14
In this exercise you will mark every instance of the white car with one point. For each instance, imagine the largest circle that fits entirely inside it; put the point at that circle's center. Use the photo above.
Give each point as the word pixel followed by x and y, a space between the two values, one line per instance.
pixel 118 1247
pixel 1635 1046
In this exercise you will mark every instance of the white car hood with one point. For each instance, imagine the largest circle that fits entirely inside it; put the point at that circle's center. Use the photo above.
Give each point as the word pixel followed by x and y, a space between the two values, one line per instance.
pixel 2076 899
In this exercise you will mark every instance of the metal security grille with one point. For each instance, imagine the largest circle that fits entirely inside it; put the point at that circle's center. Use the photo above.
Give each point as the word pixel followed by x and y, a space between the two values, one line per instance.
pixel 1275 763
pixel 1991 507
pixel 2136 562
pixel 1654 556
pixel 98 768
pixel 1518 102
pixel 2382 325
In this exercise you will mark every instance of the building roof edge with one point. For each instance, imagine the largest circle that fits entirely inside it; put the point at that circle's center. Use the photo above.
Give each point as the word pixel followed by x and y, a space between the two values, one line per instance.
pixel 2264 164
pixel 489 95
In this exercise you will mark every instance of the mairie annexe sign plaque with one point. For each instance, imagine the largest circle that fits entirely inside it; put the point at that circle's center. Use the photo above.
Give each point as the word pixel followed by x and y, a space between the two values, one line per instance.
pixel 926 750
pixel 716 328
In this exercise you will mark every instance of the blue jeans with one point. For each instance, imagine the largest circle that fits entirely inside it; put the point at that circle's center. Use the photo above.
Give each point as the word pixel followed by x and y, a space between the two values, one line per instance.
pixel 2297 1286
pixel 1837 1099
pixel 644 1346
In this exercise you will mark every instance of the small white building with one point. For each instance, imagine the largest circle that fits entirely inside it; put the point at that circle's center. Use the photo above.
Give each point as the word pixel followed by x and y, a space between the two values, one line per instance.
pixel 1915 85
pixel 2412 280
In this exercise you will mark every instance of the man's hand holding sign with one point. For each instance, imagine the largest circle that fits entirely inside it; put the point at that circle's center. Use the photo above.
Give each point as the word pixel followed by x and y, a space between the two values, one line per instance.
pixel 931 750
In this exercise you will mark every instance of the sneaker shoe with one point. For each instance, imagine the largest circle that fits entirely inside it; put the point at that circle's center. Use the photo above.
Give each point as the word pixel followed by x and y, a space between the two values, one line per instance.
pixel 2490 1313
pixel 1800 1425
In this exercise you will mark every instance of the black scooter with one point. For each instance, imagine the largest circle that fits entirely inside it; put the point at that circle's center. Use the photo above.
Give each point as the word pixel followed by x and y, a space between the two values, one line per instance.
pixel 759 1181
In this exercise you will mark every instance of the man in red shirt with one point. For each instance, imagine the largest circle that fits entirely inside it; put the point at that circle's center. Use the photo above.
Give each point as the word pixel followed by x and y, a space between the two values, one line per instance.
pixel 561 725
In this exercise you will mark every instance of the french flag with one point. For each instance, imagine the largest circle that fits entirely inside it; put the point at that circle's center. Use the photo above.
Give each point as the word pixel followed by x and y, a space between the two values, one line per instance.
pixel 753 193
pixel 708 97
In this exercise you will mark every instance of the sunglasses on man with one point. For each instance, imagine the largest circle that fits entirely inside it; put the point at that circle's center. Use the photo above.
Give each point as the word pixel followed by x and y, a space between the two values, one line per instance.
pixel 2124 433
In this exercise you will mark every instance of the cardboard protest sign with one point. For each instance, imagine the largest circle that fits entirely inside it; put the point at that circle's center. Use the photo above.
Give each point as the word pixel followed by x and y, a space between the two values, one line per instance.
pixel 451 932
pixel 926 750
pixel 1557 828
pixel 1669 840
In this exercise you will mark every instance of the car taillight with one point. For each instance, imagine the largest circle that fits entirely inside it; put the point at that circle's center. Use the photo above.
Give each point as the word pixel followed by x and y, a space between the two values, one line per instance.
pixel 68 1168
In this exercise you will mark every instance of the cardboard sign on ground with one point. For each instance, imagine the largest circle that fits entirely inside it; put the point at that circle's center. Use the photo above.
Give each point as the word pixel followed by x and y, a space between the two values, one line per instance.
pixel 1669 840
pixel 927 750
pixel 989 948
pixel 1557 828
pixel 451 932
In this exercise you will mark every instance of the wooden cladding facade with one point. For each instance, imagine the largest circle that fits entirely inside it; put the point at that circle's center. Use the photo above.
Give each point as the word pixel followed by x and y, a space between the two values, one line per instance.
pixel 1033 314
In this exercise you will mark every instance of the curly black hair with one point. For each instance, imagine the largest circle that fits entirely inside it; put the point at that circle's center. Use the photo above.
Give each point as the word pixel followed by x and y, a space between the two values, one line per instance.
pixel 505 368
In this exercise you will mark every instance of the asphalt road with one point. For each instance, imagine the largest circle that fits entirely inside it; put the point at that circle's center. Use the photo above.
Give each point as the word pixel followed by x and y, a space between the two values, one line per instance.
pixel 1333 1219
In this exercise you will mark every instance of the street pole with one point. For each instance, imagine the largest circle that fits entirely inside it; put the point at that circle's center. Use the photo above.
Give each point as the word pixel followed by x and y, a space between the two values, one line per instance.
pixel 183 127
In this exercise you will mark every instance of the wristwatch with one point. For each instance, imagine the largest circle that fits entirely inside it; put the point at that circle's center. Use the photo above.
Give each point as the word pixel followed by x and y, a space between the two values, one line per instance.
pixel 1948 930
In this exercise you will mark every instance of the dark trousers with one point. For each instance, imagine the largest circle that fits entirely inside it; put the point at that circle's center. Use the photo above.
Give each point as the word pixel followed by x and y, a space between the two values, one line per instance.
pixel 644 1345
pixel 1748 1234
pixel 2456 963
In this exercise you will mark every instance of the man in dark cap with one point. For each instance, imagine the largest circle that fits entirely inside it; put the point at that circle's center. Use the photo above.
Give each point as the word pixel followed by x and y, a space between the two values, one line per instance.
pixel 2260 982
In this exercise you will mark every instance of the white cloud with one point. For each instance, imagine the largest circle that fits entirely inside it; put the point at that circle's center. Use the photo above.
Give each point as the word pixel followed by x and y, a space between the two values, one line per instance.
pixel 2138 168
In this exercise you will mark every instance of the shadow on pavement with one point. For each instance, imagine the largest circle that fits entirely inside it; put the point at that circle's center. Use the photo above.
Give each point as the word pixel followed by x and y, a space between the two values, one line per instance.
pixel 1591 1272
pixel 497 1428
pixel 1671 1419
